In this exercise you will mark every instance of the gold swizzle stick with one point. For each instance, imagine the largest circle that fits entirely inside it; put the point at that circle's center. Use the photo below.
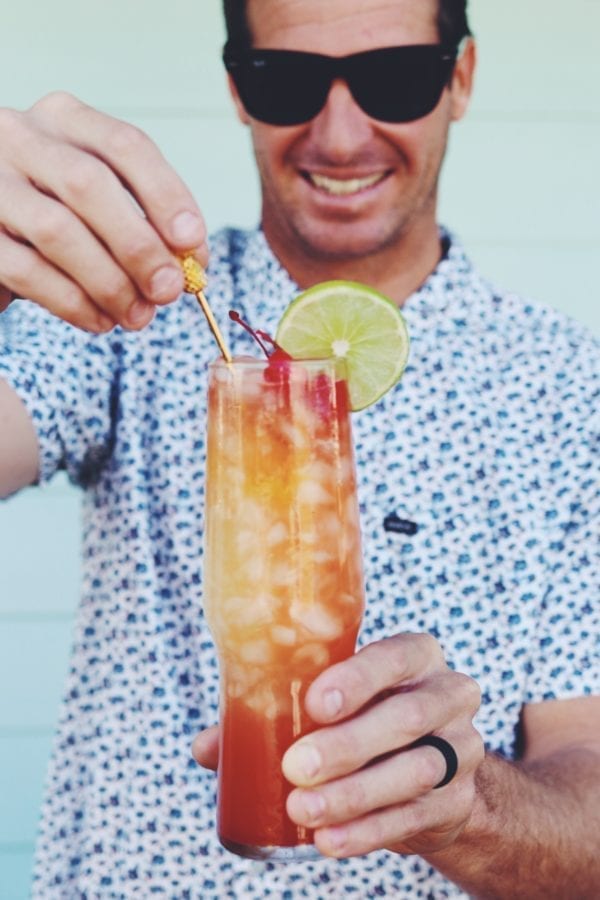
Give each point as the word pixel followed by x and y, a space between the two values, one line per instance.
pixel 195 282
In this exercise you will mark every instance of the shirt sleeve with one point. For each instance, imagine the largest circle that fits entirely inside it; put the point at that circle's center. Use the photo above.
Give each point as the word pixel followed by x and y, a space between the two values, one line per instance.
pixel 566 660
pixel 67 380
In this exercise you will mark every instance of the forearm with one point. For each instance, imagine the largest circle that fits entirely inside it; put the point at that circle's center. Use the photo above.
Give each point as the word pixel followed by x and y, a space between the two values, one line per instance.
pixel 18 443
pixel 534 831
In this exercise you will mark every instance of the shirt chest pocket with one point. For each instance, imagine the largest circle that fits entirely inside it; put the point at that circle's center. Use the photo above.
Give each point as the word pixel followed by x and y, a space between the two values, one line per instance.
pixel 477 584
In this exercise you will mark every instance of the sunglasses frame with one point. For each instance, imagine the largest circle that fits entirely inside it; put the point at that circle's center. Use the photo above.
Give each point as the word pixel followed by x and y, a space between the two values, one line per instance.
pixel 244 62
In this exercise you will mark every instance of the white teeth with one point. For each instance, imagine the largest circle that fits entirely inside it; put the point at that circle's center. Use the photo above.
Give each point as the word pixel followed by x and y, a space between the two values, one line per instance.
pixel 342 186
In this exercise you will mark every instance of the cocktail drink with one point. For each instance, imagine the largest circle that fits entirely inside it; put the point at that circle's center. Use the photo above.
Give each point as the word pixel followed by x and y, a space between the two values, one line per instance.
pixel 283 576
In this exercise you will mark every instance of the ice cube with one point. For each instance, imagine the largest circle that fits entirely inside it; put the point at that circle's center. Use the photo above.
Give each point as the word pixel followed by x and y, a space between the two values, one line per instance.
pixel 257 652
pixel 313 655
pixel 247 612
pixel 279 575
pixel 317 620
pixel 253 569
pixel 252 516
pixel 297 436
pixel 309 536
pixel 247 541
pixel 268 700
pixel 313 493
pixel 283 635
pixel 323 558
pixel 277 534
pixel 329 526
pixel 240 679
pixel 249 389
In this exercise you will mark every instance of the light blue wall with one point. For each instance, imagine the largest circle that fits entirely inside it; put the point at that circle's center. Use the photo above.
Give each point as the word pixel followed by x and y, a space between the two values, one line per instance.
pixel 520 187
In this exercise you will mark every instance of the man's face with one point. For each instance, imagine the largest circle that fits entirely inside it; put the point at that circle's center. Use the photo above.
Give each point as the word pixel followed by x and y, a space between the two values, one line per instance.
pixel 344 186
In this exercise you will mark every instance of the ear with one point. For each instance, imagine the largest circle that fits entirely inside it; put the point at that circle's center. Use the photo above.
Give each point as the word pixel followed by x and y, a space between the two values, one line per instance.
pixel 462 80
pixel 239 106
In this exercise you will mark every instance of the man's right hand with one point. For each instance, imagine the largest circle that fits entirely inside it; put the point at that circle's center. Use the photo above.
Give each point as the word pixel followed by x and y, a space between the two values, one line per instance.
pixel 91 215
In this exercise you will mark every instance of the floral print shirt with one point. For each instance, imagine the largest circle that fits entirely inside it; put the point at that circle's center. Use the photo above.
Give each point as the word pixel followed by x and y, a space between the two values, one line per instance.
pixel 479 505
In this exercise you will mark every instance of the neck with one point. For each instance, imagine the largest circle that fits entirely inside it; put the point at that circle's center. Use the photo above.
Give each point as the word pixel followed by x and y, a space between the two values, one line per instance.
pixel 397 271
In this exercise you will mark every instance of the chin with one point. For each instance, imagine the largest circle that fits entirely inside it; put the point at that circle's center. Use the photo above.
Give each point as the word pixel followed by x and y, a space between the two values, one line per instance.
pixel 335 243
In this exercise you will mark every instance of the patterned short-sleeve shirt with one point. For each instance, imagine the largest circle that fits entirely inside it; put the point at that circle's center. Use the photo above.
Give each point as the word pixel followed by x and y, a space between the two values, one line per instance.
pixel 479 501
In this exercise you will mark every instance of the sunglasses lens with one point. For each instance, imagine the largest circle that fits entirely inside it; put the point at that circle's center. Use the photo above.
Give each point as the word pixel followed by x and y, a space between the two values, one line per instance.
pixel 391 84
pixel 399 84
pixel 281 88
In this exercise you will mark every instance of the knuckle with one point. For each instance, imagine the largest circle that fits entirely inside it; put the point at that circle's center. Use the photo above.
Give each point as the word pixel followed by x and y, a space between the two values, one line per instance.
pixel 342 748
pixel 115 291
pixel 81 175
pixel 476 740
pixel 138 248
pixel 416 818
pixel 413 716
pixel 427 774
pixel 54 102
pixel 431 648
pixel 19 271
pixel 72 301
pixel 355 801
pixel 50 226
pixel 463 801
pixel 470 690
pixel 126 140
pixel 74 307
pixel 10 121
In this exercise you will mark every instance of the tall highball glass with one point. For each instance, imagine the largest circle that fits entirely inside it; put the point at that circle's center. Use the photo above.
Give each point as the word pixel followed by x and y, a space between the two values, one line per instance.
pixel 283 577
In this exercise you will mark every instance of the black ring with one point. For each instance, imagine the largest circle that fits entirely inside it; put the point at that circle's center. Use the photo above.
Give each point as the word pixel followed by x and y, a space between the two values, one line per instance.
pixel 447 751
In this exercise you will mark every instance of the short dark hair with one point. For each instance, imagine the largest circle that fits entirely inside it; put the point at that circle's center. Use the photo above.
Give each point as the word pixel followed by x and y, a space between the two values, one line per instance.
pixel 452 20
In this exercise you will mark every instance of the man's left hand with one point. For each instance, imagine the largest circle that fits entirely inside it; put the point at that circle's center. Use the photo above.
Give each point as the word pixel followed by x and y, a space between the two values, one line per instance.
pixel 359 783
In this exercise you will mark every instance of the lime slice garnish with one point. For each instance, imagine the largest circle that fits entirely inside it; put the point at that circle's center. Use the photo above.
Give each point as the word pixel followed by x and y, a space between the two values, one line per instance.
pixel 352 321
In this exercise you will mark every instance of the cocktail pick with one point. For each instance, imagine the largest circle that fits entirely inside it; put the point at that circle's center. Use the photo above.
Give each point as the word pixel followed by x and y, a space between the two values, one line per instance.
pixel 195 282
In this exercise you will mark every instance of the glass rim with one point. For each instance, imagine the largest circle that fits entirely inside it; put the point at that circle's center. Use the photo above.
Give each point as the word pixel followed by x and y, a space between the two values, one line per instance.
pixel 256 362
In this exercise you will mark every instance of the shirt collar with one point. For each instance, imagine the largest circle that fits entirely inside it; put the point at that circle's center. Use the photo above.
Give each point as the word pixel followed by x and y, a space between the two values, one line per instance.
pixel 269 288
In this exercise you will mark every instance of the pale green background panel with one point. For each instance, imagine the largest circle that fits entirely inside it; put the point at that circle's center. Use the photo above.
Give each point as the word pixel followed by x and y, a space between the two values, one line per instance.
pixel 22 764
pixel 520 187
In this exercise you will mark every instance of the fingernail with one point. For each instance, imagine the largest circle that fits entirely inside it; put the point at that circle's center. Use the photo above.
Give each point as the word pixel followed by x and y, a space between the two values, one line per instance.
pixel 303 759
pixel 314 805
pixel 165 283
pixel 140 313
pixel 187 228
pixel 332 702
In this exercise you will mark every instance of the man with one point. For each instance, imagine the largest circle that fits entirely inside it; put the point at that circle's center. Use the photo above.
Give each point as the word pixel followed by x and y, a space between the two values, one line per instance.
pixel 479 530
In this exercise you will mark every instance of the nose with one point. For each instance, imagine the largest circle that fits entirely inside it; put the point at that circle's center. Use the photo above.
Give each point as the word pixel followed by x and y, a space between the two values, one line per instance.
pixel 341 127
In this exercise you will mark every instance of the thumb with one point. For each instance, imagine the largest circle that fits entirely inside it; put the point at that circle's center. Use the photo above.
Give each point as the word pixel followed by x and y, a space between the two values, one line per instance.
pixel 205 747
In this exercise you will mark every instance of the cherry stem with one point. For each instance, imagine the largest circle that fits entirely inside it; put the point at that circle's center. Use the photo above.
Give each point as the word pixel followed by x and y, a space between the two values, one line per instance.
pixel 259 336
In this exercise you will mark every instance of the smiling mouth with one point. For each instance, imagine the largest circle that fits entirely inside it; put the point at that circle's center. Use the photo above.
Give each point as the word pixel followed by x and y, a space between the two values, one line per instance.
pixel 343 187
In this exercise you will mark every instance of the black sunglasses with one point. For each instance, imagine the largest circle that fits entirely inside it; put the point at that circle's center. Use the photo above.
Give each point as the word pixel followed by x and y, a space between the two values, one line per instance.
pixel 391 84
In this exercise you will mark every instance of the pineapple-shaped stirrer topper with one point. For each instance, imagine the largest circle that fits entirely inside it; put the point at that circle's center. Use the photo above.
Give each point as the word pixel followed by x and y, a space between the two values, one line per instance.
pixel 195 282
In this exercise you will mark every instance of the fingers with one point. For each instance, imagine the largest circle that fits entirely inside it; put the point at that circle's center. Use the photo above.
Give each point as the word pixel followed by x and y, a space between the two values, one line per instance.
pixel 94 197
pixel 136 160
pixel 393 801
pixel 382 727
pixel 61 238
pixel 398 778
pixel 424 826
pixel 21 267
pixel 205 747
pixel 346 687
pixel 91 194
pixel 166 201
